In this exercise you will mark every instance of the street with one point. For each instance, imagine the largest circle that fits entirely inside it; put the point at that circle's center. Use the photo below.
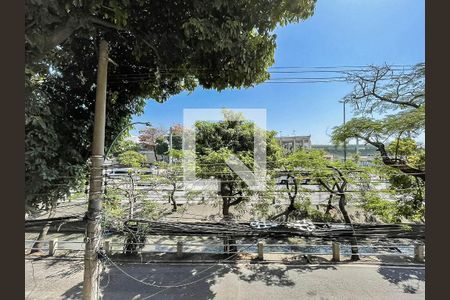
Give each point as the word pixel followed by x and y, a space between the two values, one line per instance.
pixel 62 279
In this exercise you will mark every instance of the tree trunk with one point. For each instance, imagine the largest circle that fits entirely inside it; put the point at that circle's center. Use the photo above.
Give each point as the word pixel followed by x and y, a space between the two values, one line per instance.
pixel 395 163
pixel 329 206
pixel 224 192
pixel 285 213
pixel 154 152
pixel 347 220
pixel 132 198
pixel 43 234
pixel 292 197
pixel 226 209
pixel 172 198
pixel 131 212
pixel 229 199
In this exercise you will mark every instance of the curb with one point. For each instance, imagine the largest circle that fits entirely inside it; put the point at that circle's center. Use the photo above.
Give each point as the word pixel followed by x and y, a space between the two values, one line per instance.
pixel 236 262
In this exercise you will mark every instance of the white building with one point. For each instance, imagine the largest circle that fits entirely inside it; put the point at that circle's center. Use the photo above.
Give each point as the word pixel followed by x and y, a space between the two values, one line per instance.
pixel 292 143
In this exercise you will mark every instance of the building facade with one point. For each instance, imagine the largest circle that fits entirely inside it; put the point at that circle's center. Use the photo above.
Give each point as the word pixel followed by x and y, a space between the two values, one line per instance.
pixel 293 143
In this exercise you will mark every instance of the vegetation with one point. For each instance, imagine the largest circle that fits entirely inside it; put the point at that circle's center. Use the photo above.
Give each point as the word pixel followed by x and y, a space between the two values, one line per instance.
pixel 408 191
pixel 151 138
pixel 400 98
pixel 158 139
pixel 173 176
pixel 124 145
pixel 384 91
pixel 216 142
pixel 132 159
pixel 158 49
pixel 123 201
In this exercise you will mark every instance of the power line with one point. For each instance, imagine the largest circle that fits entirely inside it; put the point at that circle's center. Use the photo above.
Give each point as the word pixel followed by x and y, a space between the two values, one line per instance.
pixel 271 80
pixel 146 76
pixel 337 67
pixel 310 69
pixel 177 285
pixel 344 75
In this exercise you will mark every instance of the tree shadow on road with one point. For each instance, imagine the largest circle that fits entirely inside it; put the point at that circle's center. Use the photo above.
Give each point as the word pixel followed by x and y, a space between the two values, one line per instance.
pixel 55 275
pixel 75 292
pixel 58 268
pixel 408 279
pixel 191 281
pixel 73 267
pixel 274 274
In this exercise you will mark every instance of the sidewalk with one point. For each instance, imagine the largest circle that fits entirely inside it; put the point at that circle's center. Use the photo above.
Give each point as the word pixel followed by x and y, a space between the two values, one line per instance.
pixel 61 278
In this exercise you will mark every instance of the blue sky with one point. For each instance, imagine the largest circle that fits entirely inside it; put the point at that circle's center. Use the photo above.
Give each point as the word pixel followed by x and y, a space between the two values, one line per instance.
pixel 340 33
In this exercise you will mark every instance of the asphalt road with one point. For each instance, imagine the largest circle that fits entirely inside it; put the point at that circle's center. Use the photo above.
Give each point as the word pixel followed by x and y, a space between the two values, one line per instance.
pixel 59 279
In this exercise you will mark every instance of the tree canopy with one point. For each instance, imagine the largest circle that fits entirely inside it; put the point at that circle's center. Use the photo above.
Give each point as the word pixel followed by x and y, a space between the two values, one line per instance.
pixel 332 176
pixel 400 97
pixel 132 159
pixel 175 44
pixel 217 141
pixel 124 145
pixel 385 88
pixel 158 49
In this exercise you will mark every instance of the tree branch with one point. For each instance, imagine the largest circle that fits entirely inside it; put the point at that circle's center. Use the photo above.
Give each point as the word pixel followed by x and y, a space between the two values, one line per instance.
pixel 325 185
pixel 98 21
pixel 394 163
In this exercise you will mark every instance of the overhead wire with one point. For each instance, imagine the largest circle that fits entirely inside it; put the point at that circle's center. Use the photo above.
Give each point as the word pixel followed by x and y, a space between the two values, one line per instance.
pixel 177 285
pixel 304 69
pixel 146 76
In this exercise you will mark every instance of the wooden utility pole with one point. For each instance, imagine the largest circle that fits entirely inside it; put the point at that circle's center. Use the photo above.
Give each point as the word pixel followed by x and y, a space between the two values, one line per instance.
pixel 93 230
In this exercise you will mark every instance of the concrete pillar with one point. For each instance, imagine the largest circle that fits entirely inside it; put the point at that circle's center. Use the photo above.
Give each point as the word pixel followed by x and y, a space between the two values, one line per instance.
pixel 52 246
pixel 226 247
pixel 336 247
pixel 107 246
pixel 179 248
pixel 419 253
pixel 260 250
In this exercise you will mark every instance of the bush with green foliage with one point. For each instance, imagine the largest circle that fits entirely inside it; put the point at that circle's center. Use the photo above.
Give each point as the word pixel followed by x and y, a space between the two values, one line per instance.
pixel 132 159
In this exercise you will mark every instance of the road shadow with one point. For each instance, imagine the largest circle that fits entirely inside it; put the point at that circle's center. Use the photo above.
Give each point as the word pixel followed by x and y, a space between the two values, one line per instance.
pixel 73 267
pixel 408 279
pixel 75 292
pixel 146 281
pixel 53 278
pixel 59 268
pixel 164 281
pixel 273 275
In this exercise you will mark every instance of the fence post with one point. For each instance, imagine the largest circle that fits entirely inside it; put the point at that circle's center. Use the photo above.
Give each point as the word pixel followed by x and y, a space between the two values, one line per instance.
pixel 226 247
pixel 419 253
pixel 260 250
pixel 52 245
pixel 107 246
pixel 336 247
pixel 179 248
